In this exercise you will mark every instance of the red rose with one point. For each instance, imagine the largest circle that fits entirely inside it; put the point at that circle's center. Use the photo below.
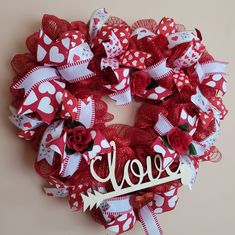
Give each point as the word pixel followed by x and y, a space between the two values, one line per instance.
pixel 179 140
pixel 78 138
pixel 139 81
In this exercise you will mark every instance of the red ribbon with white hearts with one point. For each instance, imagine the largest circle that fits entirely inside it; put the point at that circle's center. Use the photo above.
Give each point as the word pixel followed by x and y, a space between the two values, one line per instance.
pixel 120 215
pixel 121 91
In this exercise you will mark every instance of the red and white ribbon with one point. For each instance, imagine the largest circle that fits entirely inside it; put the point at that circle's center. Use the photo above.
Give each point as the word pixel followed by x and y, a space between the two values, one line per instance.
pixel 159 70
pixel 76 71
pixel 121 91
pixel 178 38
pixel 35 77
pixel 23 122
pixel 97 20
pixel 81 110
pixel 149 221
pixel 52 132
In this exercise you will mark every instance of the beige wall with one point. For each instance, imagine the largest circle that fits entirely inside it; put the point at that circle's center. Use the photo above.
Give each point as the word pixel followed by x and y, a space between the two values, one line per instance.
pixel 24 209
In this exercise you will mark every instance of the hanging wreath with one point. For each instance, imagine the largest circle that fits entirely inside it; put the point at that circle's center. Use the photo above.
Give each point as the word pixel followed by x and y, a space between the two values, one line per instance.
pixel 58 106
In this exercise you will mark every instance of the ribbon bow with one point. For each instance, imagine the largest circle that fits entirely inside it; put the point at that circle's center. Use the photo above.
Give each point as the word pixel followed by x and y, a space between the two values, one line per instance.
pixel 163 126
pixel 43 92
pixel 55 138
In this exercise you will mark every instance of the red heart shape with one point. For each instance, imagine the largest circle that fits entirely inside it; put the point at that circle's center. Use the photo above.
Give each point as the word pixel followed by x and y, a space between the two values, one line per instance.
pixel 76 58
pixel 49 137
pixel 96 20
pixel 175 38
pixel 27 124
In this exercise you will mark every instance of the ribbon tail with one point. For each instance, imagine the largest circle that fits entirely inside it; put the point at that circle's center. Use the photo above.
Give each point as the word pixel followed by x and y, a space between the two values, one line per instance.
pixel 149 221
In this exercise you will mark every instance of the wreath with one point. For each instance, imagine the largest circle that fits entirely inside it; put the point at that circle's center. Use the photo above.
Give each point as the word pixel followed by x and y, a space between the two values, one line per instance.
pixel 58 105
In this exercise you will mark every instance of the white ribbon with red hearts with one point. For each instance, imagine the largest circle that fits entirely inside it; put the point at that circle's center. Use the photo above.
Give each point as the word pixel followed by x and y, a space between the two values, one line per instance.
pixel 24 122
pixel 52 132
pixel 97 20
pixel 35 77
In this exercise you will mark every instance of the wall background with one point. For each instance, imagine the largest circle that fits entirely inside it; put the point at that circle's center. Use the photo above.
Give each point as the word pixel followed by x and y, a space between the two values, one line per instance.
pixel 25 209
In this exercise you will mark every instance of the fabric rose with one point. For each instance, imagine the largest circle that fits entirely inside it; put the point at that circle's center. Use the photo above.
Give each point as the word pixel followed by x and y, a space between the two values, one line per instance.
pixel 79 138
pixel 139 82
pixel 179 140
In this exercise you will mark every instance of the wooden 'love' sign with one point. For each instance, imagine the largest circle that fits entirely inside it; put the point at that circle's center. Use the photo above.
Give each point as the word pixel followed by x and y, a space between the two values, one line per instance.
pixel 183 172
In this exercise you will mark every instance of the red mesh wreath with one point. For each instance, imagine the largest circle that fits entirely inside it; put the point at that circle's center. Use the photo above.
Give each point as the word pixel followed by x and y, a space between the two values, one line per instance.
pixel 58 95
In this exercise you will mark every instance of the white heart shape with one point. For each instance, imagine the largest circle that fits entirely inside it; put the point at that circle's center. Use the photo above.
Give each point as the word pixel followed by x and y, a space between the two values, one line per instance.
pixel 158 210
pixel 216 77
pixel 183 114
pixel 142 59
pixel 122 218
pixel 127 224
pixel 44 105
pixel 41 53
pixel 164 28
pixel 59 96
pixel 126 72
pixel 75 110
pixel 96 149
pixel 75 204
pixel 46 87
pixel 130 57
pixel 134 62
pixel 224 86
pixel 159 200
pixel 153 96
pixel 159 90
pixel 55 56
pixel 121 85
pixel 66 42
pixel 31 98
pixel 122 34
pixel 105 144
pixel 70 102
pixel 159 149
pixel 125 41
pixel 211 84
pixel 192 120
pixel 137 54
pixel 170 193
pixel 172 201
pixel 93 134
pixel 47 40
pixel 167 161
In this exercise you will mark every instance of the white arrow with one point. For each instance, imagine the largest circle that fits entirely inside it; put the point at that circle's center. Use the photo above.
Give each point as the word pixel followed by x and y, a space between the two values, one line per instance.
pixel 97 198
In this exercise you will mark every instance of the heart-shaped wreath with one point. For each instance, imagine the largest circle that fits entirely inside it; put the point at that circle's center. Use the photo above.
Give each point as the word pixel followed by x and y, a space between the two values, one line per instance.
pixel 58 106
